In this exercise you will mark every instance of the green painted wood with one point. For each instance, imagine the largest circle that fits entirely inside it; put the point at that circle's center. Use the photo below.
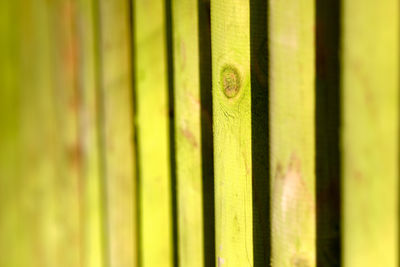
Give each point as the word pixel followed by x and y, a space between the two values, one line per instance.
pixel 93 228
pixel 152 130
pixel 117 132
pixel 10 181
pixel 187 131
pixel 49 229
pixel 370 85
pixel 292 137
pixel 230 46
pixel 65 191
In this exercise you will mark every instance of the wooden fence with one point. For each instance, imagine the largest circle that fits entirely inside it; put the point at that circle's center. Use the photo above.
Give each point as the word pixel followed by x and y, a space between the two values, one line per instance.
pixel 199 133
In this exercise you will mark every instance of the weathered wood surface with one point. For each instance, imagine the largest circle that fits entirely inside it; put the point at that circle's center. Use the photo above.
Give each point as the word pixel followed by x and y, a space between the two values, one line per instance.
pixel 230 24
pixel 152 122
pixel 92 172
pixel 370 91
pixel 187 131
pixel 291 59
pixel 65 202
pixel 118 132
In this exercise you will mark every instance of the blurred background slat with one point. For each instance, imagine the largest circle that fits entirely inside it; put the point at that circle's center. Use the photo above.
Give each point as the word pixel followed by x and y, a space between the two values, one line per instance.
pixel 292 148
pixel 117 131
pixel 370 137
pixel 188 132
pixel 92 185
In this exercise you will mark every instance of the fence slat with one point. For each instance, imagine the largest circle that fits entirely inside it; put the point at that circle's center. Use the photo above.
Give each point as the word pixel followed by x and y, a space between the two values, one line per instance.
pixel 370 85
pixel 117 134
pixel 153 141
pixel 230 35
pixel 188 132
pixel 65 203
pixel 92 172
pixel 291 29
pixel 12 228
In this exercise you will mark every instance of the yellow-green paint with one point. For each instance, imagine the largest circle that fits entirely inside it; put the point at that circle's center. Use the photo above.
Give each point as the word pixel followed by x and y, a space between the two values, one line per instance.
pixel 89 123
pixel 292 138
pixel 11 225
pixel 370 108
pixel 188 132
pixel 230 46
pixel 118 132
pixel 65 203
pixel 152 126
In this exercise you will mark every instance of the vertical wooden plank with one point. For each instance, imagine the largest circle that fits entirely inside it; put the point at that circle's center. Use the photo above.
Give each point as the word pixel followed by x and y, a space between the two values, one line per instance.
pixel 10 223
pixel 39 141
pixel 292 135
pixel 92 171
pixel 370 88
pixel 185 18
pixel 153 140
pixel 230 39
pixel 65 190
pixel 116 83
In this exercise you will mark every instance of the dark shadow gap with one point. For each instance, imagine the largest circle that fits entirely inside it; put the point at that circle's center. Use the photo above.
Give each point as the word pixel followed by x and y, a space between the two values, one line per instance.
pixel 172 148
pixel 327 131
pixel 136 163
pixel 207 153
pixel 260 131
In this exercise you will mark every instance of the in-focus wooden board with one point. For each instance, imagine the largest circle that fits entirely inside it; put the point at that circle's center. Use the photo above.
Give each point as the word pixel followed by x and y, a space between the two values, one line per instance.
pixel 188 132
pixel 230 46
pixel 118 131
pixel 152 130
pixel 370 86
pixel 92 175
pixel 291 59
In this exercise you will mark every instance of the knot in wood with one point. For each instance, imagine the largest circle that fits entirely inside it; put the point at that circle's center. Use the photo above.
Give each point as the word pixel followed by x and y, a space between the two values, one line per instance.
pixel 230 81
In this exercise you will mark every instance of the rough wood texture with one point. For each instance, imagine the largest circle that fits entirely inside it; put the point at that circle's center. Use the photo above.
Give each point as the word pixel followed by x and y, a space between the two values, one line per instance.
pixel 188 132
pixel 370 89
pixel 230 35
pixel 152 131
pixel 291 29
pixel 89 125
pixel 117 132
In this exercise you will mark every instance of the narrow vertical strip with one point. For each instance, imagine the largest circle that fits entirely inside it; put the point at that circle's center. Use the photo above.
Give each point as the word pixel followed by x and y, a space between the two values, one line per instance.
pixel 66 187
pixel 172 130
pixel 206 119
pixel 92 176
pixel 118 136
pixel 152 123
pixel 327 130
pixel 230 33
pixel 370 90
pixel 292 134
pixel 260 131
pixel 189 146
